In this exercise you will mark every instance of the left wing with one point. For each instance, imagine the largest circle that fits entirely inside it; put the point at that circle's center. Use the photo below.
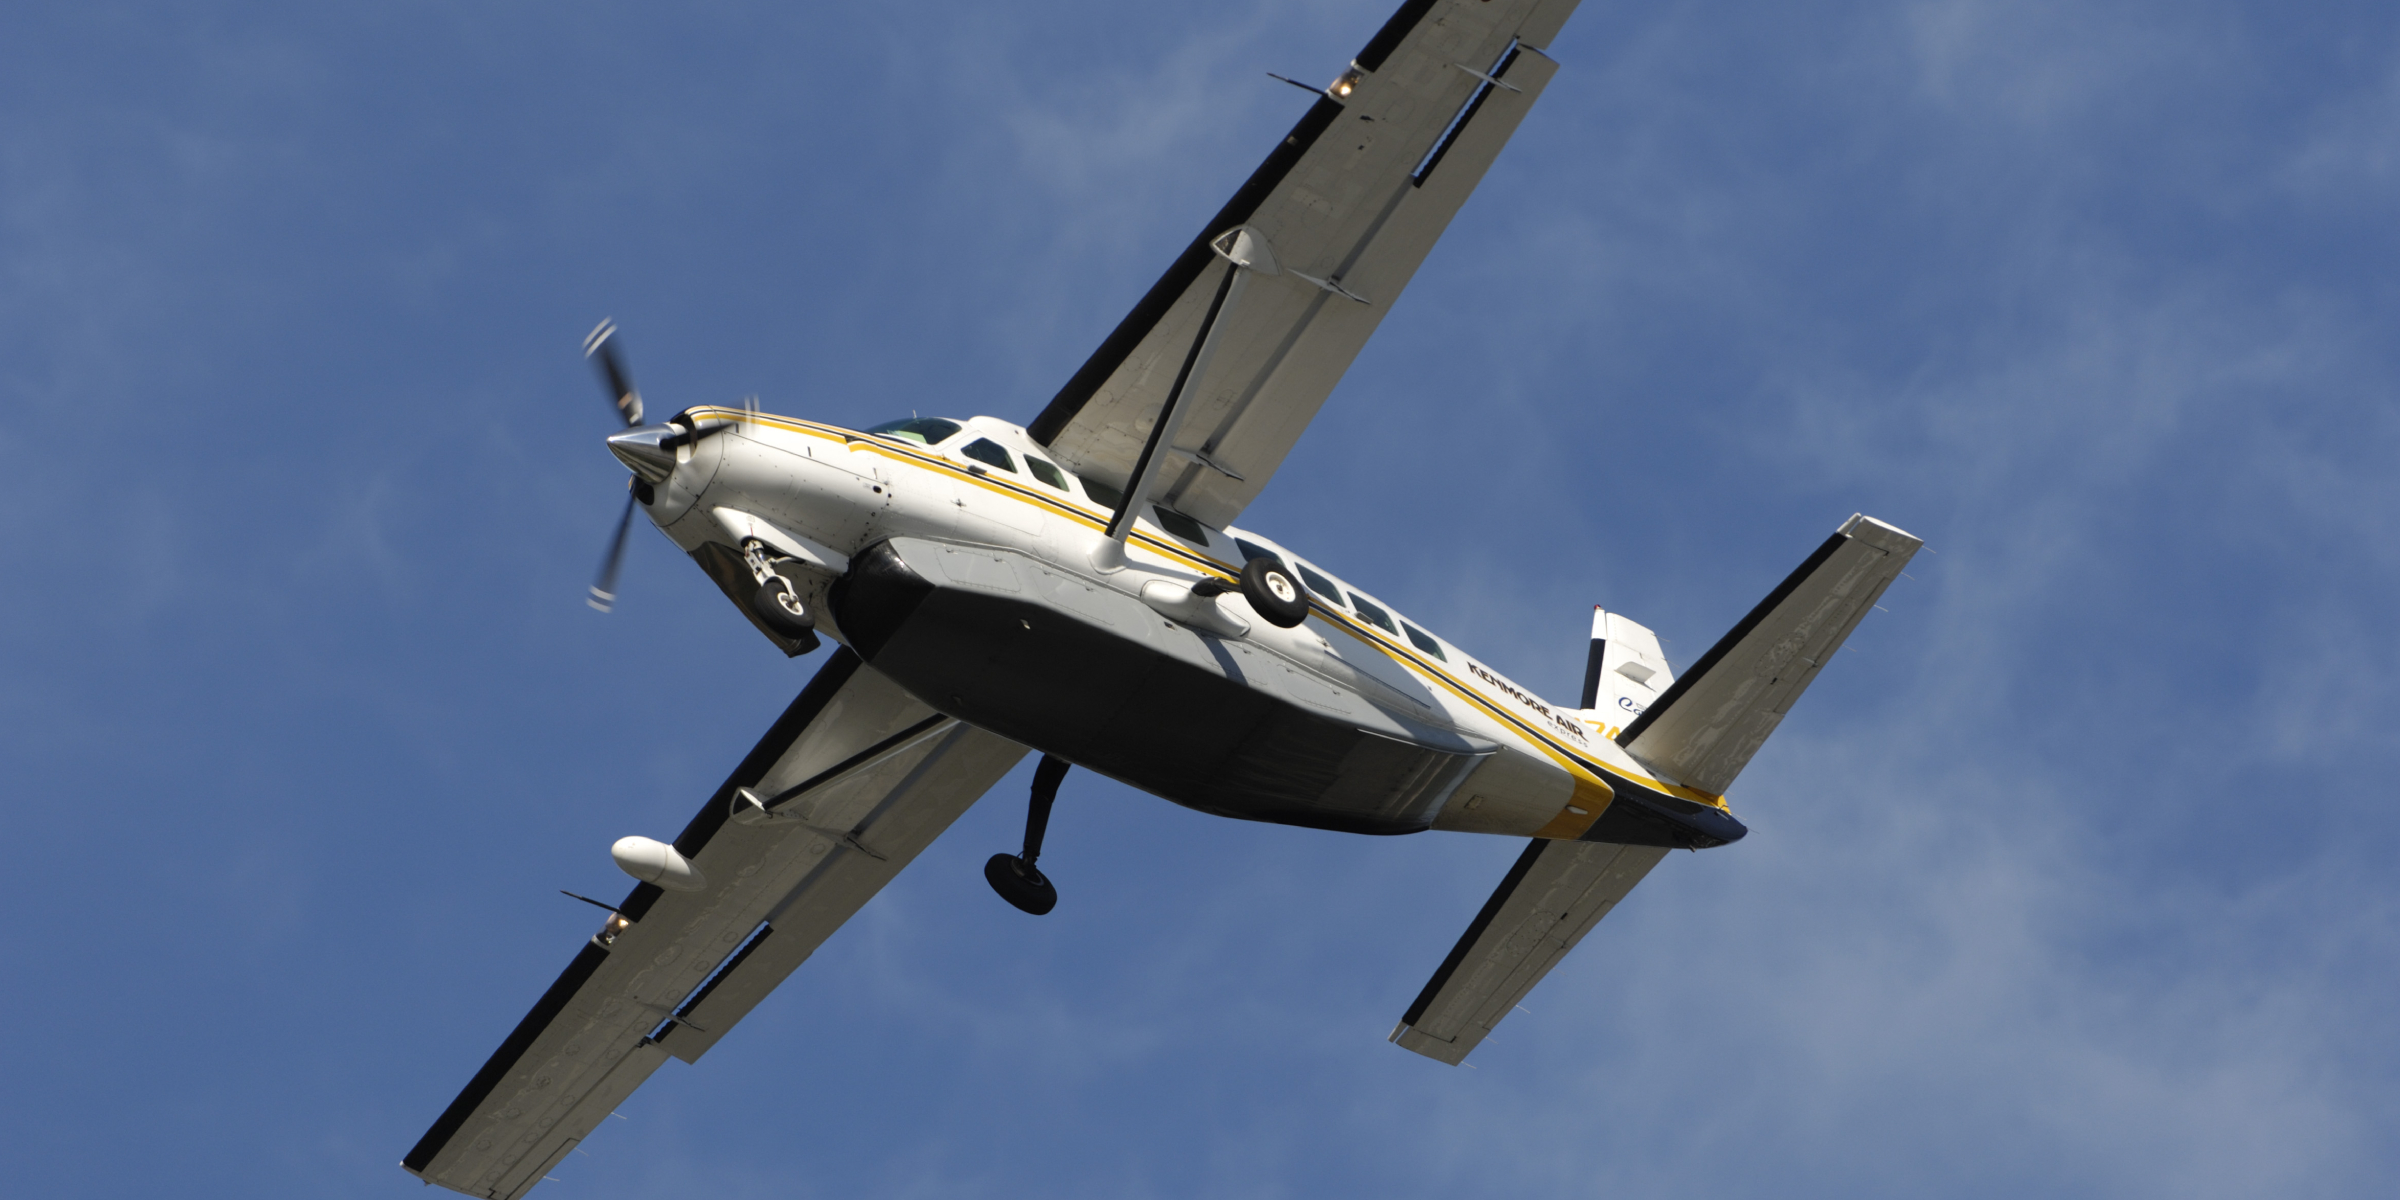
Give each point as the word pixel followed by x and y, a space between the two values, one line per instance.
pixel 862 777
pixel 1348 206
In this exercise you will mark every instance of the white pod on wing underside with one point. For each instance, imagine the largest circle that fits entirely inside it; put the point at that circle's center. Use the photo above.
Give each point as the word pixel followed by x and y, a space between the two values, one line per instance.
pixel 657 862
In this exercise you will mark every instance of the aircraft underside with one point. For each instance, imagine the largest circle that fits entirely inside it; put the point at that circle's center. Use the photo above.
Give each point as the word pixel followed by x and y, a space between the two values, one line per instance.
pixel 981 634
pixel 1214 737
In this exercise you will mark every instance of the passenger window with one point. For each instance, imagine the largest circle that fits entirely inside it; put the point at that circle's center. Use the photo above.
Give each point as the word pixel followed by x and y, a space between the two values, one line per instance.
pixel 1251 550
pixel 1105 496
pixel 1322 586
pixel 1046 473
pixel 1366 608
pixel 1180 525
pixel 985 450
pixel 1424 641
pixel 924 431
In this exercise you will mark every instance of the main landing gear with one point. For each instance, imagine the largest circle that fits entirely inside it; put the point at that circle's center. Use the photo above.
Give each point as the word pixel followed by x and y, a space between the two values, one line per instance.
pixel 1013 875
pixel 1272 592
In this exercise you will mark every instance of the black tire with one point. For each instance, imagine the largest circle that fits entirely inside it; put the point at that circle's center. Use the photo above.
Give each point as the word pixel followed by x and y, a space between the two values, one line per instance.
pixel 1020 883
pixel 1272 592
pixel 780 611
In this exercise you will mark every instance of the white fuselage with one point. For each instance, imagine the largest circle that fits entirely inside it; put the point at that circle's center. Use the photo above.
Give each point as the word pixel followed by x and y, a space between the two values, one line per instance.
pixel 1498 758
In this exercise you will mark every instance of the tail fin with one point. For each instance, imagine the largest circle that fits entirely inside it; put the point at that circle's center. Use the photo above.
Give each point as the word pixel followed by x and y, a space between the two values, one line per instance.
pixel 1625 672
pixel 1704 728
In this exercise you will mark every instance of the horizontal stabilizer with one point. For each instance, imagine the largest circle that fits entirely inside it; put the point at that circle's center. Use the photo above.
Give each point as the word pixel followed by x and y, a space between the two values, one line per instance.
pixel 1550 899
pixel 1702 732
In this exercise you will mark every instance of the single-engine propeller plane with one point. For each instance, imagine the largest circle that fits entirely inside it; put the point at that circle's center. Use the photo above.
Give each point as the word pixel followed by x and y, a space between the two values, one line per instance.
pixel 1077 588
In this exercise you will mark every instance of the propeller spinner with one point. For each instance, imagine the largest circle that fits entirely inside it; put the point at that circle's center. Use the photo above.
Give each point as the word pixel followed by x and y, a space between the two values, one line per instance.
pixel 649 451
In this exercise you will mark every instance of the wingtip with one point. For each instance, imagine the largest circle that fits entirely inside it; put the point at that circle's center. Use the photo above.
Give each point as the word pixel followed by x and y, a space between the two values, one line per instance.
pixel 1883 535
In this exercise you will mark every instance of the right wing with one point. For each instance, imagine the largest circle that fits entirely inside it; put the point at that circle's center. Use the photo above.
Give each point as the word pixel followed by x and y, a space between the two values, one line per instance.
pixel 865 777
pixel 1553 896
pixel 1702 732
pixel 1350 203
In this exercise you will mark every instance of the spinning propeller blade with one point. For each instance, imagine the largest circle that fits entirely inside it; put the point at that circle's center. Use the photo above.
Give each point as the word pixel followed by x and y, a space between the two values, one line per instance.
pixel 596 346
pixel 604 593
pixel 650 455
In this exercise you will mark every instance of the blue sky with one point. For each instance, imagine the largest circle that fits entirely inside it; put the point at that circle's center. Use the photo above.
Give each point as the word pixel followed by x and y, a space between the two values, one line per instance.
pixel 2072 880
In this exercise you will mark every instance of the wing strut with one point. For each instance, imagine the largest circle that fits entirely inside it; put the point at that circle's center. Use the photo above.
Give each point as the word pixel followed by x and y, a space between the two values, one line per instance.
pixel 1245 253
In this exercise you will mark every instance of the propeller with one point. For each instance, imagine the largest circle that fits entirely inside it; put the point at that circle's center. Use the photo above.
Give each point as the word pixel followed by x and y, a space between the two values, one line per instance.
pixel 649 452
pixel 604 593
pixel 598 347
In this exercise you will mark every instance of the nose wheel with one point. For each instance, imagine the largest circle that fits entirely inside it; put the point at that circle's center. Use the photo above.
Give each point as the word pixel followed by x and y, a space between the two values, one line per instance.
pixel 1013 875
pixel 775 604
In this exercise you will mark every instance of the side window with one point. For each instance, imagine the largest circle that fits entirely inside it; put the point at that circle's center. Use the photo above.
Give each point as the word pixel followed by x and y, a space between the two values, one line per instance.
pixel 1251 550
pixel 1180 525
pixel 1424 641
pixel 1046 473
pixel 1366 608
pixel 1105 496
pixel 1320 585
pixel 985 450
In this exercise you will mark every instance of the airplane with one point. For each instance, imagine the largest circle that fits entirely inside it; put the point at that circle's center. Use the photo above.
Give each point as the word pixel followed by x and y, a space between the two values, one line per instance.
pixel 1077 588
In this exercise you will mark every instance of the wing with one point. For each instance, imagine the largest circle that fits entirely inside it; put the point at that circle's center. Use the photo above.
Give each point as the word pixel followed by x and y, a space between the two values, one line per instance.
pixel 1549 900
pixel 1706 726
pixel 865 777
pixel 1348 204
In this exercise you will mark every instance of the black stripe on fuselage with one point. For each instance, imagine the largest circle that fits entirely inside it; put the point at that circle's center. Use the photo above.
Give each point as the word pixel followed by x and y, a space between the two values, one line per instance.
pixel 1683 683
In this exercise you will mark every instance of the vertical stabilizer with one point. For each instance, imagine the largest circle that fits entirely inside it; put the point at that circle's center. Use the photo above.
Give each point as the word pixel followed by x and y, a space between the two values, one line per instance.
pixel 1624 672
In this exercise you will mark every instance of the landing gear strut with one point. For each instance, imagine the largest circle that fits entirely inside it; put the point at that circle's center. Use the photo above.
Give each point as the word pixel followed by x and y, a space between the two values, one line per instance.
pixel 777 607
pixel 1014 875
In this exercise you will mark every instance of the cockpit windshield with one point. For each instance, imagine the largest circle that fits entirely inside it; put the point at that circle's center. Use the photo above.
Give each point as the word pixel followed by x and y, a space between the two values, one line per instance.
pixel 924 431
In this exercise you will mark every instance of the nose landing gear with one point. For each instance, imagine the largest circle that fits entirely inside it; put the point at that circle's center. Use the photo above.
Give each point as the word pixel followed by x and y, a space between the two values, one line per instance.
pixel 1013 875
pixel 775 604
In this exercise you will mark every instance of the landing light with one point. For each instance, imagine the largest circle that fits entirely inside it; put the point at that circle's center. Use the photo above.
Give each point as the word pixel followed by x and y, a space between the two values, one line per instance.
pixel 1347 84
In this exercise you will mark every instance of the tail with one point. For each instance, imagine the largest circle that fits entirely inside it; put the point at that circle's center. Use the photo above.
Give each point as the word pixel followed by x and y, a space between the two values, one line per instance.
pixel 1701 728
pixel 1625 672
